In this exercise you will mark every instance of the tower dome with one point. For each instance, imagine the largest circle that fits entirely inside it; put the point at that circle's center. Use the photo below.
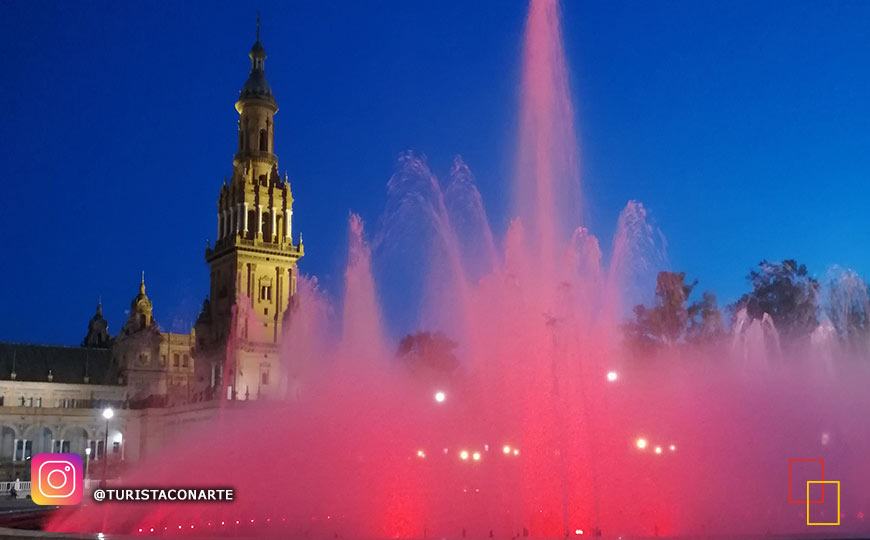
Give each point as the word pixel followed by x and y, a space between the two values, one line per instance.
pixel 257 87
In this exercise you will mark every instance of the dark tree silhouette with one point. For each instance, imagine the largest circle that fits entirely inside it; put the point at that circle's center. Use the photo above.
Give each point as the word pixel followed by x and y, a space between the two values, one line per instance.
pixel 787 293
pixel 672 319
pixel 426 350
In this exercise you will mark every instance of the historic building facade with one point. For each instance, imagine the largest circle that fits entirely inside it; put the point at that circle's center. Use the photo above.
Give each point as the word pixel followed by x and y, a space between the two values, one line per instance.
pixel 159 383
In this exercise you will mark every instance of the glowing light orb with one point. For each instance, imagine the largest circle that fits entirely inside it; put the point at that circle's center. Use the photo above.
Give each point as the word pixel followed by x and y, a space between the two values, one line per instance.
pixel 463 454
pixel 440 397
pixel 612 376
pixel 516 452
pixel 578 532
pixel 673 448
pixel 641 443
pixel 476 456
pixel 506 449
pixel 421 454
pixel 658 449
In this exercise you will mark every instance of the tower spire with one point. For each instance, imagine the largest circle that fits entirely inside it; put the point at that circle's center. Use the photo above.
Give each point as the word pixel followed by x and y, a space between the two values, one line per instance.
pixel 258 26
pixel 142 283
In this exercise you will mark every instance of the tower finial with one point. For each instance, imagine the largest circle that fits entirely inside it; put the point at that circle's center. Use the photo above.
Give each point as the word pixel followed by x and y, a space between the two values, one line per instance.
pixel 258 26
pixel 142 284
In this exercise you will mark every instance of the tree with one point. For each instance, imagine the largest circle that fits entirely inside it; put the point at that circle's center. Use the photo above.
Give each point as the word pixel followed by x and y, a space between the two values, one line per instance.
pixel 787 293
pixel 706 320
pixel 672 319
pixel 428 351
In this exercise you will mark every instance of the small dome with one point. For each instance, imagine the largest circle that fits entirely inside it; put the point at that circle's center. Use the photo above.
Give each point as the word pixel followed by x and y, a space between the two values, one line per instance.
pixel 256 86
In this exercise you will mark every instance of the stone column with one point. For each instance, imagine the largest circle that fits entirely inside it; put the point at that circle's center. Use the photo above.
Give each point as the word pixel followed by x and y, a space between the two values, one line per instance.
pixel 273 234
pixel 246 218
pixel 241 219
pixel 233 225
pixel 260 220
pixel 288 225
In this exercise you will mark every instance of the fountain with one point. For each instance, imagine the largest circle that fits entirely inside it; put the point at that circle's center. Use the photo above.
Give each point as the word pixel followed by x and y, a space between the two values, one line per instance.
pixel 520 412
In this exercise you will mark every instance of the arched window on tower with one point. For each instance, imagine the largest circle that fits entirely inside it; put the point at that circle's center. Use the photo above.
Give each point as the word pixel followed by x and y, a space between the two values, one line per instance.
pixel 264 141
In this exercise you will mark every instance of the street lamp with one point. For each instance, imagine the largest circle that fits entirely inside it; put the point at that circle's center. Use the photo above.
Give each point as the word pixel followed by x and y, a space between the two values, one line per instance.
pixel 108 413
pixel 87 459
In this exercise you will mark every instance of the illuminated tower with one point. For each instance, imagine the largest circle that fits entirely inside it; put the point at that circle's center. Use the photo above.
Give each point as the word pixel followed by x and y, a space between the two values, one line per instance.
pixel 253 262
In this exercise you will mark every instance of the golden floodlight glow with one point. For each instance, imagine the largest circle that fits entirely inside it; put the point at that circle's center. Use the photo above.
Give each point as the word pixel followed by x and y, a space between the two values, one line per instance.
pixel 641 443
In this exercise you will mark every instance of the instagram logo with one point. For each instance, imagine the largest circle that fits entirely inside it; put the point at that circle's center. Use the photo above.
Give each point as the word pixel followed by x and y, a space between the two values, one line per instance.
pixel 56 479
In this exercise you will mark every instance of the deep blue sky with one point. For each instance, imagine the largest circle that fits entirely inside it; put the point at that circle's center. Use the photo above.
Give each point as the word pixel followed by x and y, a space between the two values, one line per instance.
pixel 743 127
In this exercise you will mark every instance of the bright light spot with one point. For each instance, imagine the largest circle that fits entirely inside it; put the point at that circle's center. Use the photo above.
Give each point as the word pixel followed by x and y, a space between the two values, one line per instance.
pixel 612 376
pixel 673 448
pixel 421 454
pixel 445 450
pixel 826 438
pixel 486 448
pixel 463 454
pixel 578 531
pixel 108 413
pixel 476 456
pixel 860 515
pixel 658 449
pixel 506 449
pixel 440 397
pixel 516 452
pixel 641 443
pixel 140 530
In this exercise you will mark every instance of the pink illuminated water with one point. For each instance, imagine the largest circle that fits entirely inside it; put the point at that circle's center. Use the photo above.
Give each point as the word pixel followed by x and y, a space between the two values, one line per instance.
pixel 529 433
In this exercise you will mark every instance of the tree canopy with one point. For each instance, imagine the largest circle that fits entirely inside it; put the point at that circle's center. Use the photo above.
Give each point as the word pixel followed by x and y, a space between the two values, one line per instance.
pixel 672 319
pixel 787 293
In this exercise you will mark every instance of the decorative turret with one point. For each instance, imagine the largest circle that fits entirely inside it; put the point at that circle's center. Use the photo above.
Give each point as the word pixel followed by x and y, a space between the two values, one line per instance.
pixel 98 330
pixel 140 312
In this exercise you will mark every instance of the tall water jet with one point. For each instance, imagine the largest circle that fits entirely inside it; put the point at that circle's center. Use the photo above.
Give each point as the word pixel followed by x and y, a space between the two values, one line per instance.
pixel 547 194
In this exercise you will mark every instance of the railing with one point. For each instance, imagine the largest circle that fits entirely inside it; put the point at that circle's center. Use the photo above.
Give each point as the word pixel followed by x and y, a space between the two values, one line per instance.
pixel 22 489
pixel 222 245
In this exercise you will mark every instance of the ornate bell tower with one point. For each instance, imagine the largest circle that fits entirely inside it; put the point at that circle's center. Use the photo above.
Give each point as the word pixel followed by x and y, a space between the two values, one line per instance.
pixel 253 262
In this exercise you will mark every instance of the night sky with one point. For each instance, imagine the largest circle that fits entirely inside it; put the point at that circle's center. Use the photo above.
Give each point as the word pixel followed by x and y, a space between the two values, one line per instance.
pixel 744 127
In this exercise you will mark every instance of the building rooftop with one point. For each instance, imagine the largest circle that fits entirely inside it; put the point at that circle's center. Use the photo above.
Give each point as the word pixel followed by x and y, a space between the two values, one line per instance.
pixel 75 365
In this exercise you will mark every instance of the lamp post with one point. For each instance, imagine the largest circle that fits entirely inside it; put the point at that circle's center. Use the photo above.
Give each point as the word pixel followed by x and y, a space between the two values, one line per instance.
pixel 108 413
pixel 87 459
